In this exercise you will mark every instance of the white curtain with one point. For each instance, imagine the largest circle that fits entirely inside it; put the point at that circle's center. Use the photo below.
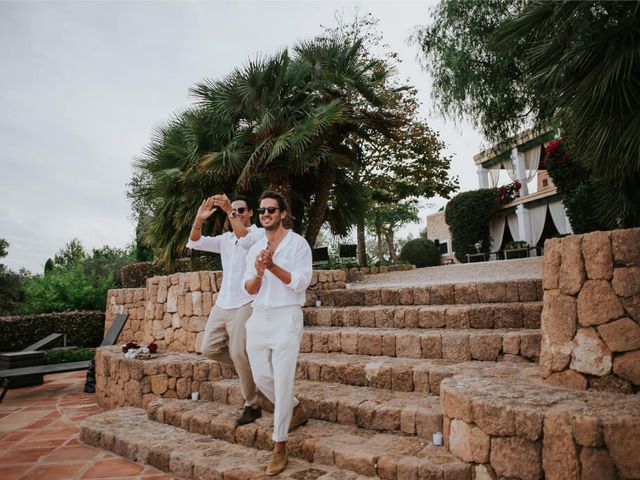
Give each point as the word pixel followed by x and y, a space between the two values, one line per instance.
pixel 512 220
pixel 531 162
pixel 496 228
pixel 537 216
pixel 510 168
pixel 494 176
pixel 560 219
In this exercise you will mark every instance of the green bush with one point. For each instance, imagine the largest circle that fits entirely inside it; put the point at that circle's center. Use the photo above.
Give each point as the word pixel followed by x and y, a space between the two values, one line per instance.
pixel 83 329
pixel 135 275
pixel 468 215
pixel 421 253
pixel 68 355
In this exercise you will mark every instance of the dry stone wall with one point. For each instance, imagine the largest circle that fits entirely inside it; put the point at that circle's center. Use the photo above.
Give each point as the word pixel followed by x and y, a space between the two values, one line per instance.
pixel 172 310
pixel 591 312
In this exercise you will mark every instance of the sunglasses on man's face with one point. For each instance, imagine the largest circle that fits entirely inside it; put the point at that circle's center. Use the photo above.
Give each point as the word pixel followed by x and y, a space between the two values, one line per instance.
pixel 271 210
pixel 240 210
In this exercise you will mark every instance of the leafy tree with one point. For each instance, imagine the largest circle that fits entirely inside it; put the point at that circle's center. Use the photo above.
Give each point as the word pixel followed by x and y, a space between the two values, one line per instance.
pixel 11 291
pixel 508 64
pixel 71 255
pixel 385 217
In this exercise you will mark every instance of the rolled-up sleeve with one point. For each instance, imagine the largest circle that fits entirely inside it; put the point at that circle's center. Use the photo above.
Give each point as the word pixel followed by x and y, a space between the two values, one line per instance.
pixel 250 271
pixel 301 273
pixel 206 244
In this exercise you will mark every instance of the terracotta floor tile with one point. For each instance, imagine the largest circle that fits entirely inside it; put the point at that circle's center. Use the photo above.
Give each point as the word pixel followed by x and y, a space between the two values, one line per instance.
pixel 71 453
pixel 15 436
pixel 24 455
pixel 50 434
pixel 54 442
pixel 54 471
pixel 113 467
pixel 13 472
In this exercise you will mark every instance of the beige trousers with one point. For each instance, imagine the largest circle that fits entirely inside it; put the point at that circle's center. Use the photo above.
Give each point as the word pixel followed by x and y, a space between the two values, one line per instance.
pixel 225 340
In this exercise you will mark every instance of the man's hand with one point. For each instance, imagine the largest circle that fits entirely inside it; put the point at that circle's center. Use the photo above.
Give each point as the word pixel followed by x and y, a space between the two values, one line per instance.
pixel 206 209
pixel 260 265
pixel 267 258
pixel 222 202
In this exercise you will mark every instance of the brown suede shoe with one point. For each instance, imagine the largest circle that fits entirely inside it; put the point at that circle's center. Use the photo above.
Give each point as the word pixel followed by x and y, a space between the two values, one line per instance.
pixel 276 464
pixel 299 418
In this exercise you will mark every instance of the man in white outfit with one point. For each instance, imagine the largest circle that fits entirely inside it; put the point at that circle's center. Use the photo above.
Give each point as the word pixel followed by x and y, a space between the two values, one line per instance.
pixel 279 278
pixel 224 337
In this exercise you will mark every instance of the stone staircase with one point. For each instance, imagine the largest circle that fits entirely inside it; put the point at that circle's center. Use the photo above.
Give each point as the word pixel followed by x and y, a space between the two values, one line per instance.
pixel 370 371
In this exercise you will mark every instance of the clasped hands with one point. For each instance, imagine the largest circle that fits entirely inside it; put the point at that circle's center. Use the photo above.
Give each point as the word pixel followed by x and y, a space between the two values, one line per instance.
pixel 264 261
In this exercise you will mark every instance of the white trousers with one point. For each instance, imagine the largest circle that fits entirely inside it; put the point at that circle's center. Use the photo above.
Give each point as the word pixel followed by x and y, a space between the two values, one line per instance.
pixel 273 341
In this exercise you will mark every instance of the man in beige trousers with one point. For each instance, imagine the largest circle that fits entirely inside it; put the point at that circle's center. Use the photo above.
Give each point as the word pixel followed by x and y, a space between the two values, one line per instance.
pixel 225 335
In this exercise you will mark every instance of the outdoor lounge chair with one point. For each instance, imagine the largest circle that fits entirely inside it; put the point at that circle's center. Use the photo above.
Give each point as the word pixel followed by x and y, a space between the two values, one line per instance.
pixel 12 374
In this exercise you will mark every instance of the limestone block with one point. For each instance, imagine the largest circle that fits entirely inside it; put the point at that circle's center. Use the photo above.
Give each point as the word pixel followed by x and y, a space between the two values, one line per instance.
pixel 530 345
pixel 369 343
pixel 527 291
pixel 626 247
pixel 492 292
pixel 627 366
pixel 510 343
pixel 559 453
pixel 390 296
pixel 431 317
pixel 481 316
pixel 456 347
pixel 196 298
pixel 596 464
pixel 551 263
pixel 485 346
pixel 598 303
pixel 586 430
pixel 528 423
pixel 466 293
pixel 406 296
pixel 401 379
pixel 441 294
pixel 622 438
pixel 494 418
pixel 457 317
pixel 128 295
pixel 188 304
pixel 172 299
pixel 207 303
pixel 632 306
pixel 468 442
pixel 531 315
pixel 159 384
pixel 568 379
pixel 213 282
pixel 621 336
pixel 383 317
pixel 372 297
pixel 590 354
pixel 610 383
pixel 598 258
pixel 559 317
pixel 349 342
pixel 626 281
pixel 205 281
pixel 455 405
pixel 408 345
pixel 516 457
pixel 421 296
pixel 120 296
pixel 162 290
pixel 572 272
pixel 431 346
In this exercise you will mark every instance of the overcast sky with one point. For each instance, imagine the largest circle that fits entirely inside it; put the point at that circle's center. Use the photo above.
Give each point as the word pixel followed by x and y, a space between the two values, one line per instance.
pixel 83 84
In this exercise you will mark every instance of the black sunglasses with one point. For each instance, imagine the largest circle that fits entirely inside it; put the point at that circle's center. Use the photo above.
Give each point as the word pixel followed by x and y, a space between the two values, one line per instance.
pixel 271 210
pixel 240 210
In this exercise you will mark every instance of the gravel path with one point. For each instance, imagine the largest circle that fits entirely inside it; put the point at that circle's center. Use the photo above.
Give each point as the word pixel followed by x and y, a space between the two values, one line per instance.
pixel 525 268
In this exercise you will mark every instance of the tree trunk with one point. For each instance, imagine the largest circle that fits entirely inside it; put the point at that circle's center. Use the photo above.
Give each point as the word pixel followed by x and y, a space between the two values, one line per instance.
pixel 362 248
pixel 379 244
pixel 278 181
pixel 318 212
pixel 390 243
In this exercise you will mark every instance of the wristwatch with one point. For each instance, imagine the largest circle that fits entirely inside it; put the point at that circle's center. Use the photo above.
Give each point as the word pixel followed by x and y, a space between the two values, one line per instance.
pixel 233 214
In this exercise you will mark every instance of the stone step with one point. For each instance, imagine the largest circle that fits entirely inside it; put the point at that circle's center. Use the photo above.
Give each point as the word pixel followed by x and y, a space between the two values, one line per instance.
pixel 474 315
pixel 389 373
pixel 520 426
pixel 460 345
pixel 413 413
pixel 361 451
pixel 130 433
pixel 443 294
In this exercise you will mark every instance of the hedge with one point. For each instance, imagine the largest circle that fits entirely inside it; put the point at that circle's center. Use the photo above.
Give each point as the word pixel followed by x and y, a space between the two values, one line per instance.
pixel 135 275
pixel 421 253
pixel 83 329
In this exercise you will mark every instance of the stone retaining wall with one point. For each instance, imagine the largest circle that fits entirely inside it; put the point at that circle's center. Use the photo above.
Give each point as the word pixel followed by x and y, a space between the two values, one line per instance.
pixel 172 310
pixel 591 313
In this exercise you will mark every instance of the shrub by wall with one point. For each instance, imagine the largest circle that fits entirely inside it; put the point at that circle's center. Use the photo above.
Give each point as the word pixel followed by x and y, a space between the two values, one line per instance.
pixel 468 215
pixel 135 275
pixel 420 252
pixel 83 329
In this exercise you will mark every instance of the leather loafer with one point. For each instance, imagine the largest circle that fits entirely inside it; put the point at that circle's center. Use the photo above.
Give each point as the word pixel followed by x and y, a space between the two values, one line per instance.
pixel 277 463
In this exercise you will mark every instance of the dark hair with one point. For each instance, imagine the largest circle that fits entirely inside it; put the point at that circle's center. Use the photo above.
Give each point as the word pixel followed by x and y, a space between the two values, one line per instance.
pixel 282 203
pixel 242 198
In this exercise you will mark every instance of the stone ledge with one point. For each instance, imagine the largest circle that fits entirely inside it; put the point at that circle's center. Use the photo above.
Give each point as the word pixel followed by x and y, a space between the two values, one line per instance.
pixel 129 433
pixel 411 413
pixel 460 345
pixel 519 426
pixel 398 374
pixel 475 315
pixel 350 448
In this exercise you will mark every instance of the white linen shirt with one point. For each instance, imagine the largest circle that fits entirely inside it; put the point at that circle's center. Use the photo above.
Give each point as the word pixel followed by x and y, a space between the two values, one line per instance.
pixel 293 255
pixel 233 252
